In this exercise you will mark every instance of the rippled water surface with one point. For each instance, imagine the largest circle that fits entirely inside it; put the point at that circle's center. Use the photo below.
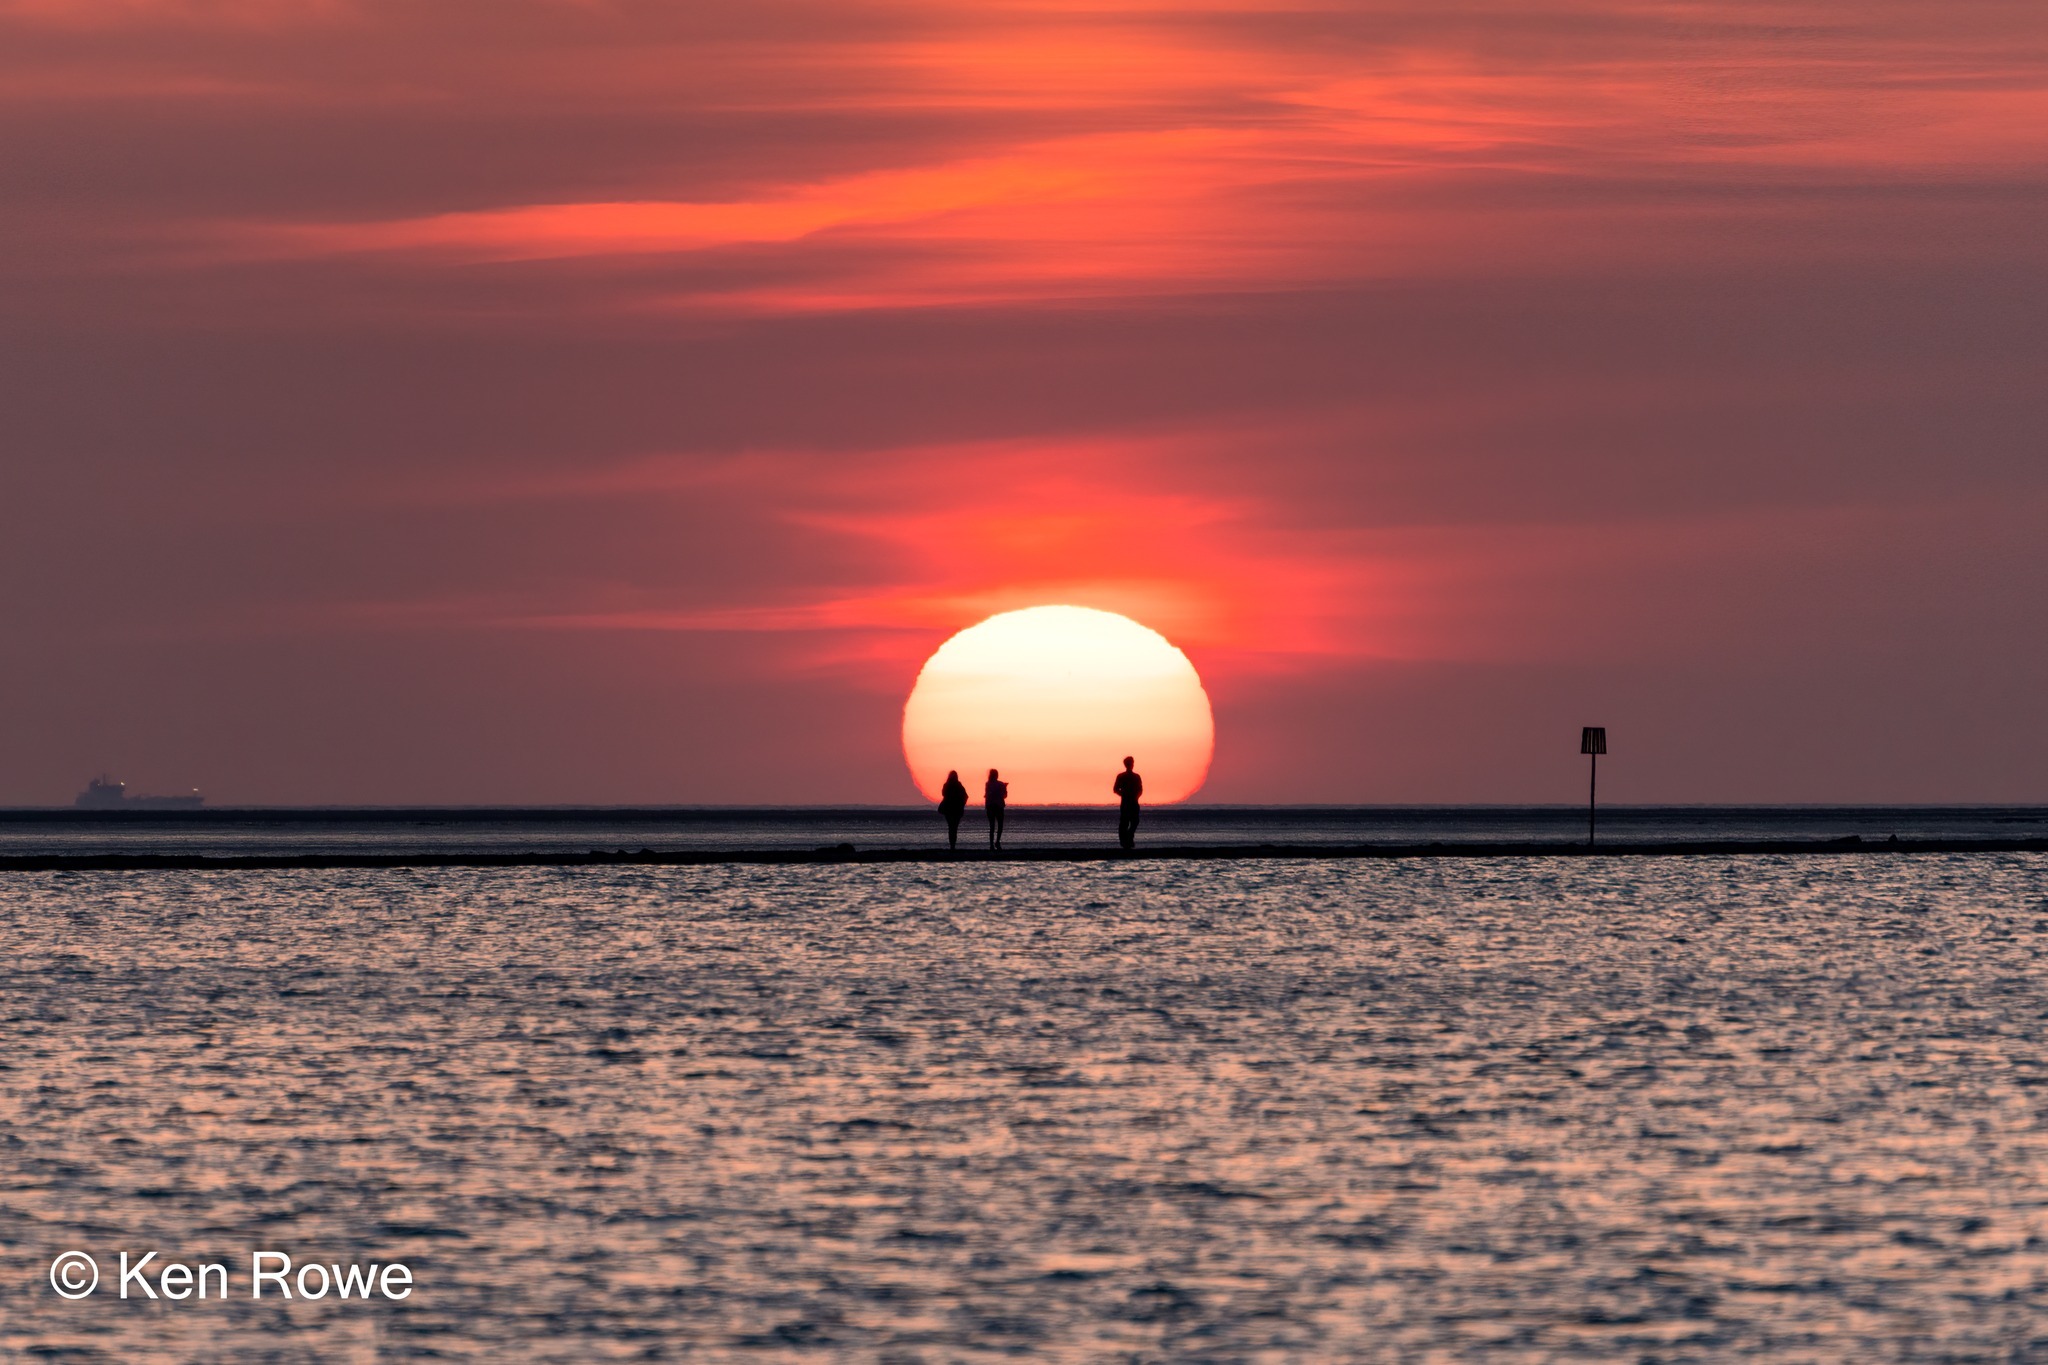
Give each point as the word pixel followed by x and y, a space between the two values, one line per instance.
pixel 1604 1109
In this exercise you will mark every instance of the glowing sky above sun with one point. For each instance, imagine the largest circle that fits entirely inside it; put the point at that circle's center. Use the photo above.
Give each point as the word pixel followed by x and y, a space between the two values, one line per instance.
pixel 1055 697
pixel 537 401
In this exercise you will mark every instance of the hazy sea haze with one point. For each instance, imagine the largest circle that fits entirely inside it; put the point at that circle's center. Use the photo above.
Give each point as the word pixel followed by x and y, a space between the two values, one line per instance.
pixel 1677 1109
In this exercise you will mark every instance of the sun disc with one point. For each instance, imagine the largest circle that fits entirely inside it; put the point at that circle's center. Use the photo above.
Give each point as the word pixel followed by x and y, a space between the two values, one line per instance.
pixel 1055 697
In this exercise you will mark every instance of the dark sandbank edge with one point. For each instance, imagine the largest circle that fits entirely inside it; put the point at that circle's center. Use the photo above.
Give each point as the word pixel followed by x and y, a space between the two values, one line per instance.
pixel 847 853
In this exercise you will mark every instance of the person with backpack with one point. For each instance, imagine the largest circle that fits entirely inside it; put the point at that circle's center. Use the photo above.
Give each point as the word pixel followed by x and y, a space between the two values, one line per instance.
pixel 995 794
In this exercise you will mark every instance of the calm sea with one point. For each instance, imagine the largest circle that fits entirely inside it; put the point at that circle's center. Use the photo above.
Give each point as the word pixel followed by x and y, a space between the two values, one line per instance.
pixel 450 830
pixel 1698 1109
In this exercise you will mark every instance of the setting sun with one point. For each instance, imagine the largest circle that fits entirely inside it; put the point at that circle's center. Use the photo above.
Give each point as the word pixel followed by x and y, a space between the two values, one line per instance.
pixel 1055 697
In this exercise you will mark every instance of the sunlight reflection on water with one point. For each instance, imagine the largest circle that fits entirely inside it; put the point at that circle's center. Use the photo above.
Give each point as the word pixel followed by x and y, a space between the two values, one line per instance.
pixel 1599 1109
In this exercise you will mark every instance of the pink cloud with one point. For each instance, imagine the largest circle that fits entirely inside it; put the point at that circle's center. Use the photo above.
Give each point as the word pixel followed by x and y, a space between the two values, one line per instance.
pixel 1221 159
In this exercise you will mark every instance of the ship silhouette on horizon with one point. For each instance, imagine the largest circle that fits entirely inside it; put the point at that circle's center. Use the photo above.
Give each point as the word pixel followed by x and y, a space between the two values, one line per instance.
pixel 104 793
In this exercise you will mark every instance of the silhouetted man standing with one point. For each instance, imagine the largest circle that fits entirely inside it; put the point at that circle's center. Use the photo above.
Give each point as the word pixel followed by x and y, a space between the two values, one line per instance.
pixel 1129 787
pixel 953 805
pixel 995 794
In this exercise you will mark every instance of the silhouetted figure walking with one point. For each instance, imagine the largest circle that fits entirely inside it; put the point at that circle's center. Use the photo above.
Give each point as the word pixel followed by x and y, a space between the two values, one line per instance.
pixel 1128 787
pixel 953 805
pixel 995 794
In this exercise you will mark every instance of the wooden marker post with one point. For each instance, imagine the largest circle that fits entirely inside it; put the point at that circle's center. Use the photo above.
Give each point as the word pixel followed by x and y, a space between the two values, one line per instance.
pixel 1593 743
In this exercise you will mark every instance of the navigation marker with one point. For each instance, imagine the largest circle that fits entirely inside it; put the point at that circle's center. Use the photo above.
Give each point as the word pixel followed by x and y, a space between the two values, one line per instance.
pixel 1592 743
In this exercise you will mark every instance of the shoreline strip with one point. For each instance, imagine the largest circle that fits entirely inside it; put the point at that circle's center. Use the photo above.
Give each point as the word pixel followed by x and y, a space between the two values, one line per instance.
pixel 847 853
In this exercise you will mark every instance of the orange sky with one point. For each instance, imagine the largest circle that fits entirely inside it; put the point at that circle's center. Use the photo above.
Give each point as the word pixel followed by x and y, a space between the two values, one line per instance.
pixel 616 401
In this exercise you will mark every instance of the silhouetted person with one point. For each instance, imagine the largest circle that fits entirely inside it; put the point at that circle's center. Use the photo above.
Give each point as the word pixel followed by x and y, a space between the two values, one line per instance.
pixel 995 794
pixel 953 805
pixel 1128 787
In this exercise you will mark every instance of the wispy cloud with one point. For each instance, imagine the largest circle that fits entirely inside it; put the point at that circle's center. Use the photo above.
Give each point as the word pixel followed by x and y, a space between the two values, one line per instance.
pixel 1273 164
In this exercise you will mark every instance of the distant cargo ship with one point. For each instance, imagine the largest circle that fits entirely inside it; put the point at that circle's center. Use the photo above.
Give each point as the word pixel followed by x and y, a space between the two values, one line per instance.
pixel 103 793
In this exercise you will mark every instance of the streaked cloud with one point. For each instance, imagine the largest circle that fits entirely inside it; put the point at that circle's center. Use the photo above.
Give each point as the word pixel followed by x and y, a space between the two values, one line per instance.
pixel 1021 153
